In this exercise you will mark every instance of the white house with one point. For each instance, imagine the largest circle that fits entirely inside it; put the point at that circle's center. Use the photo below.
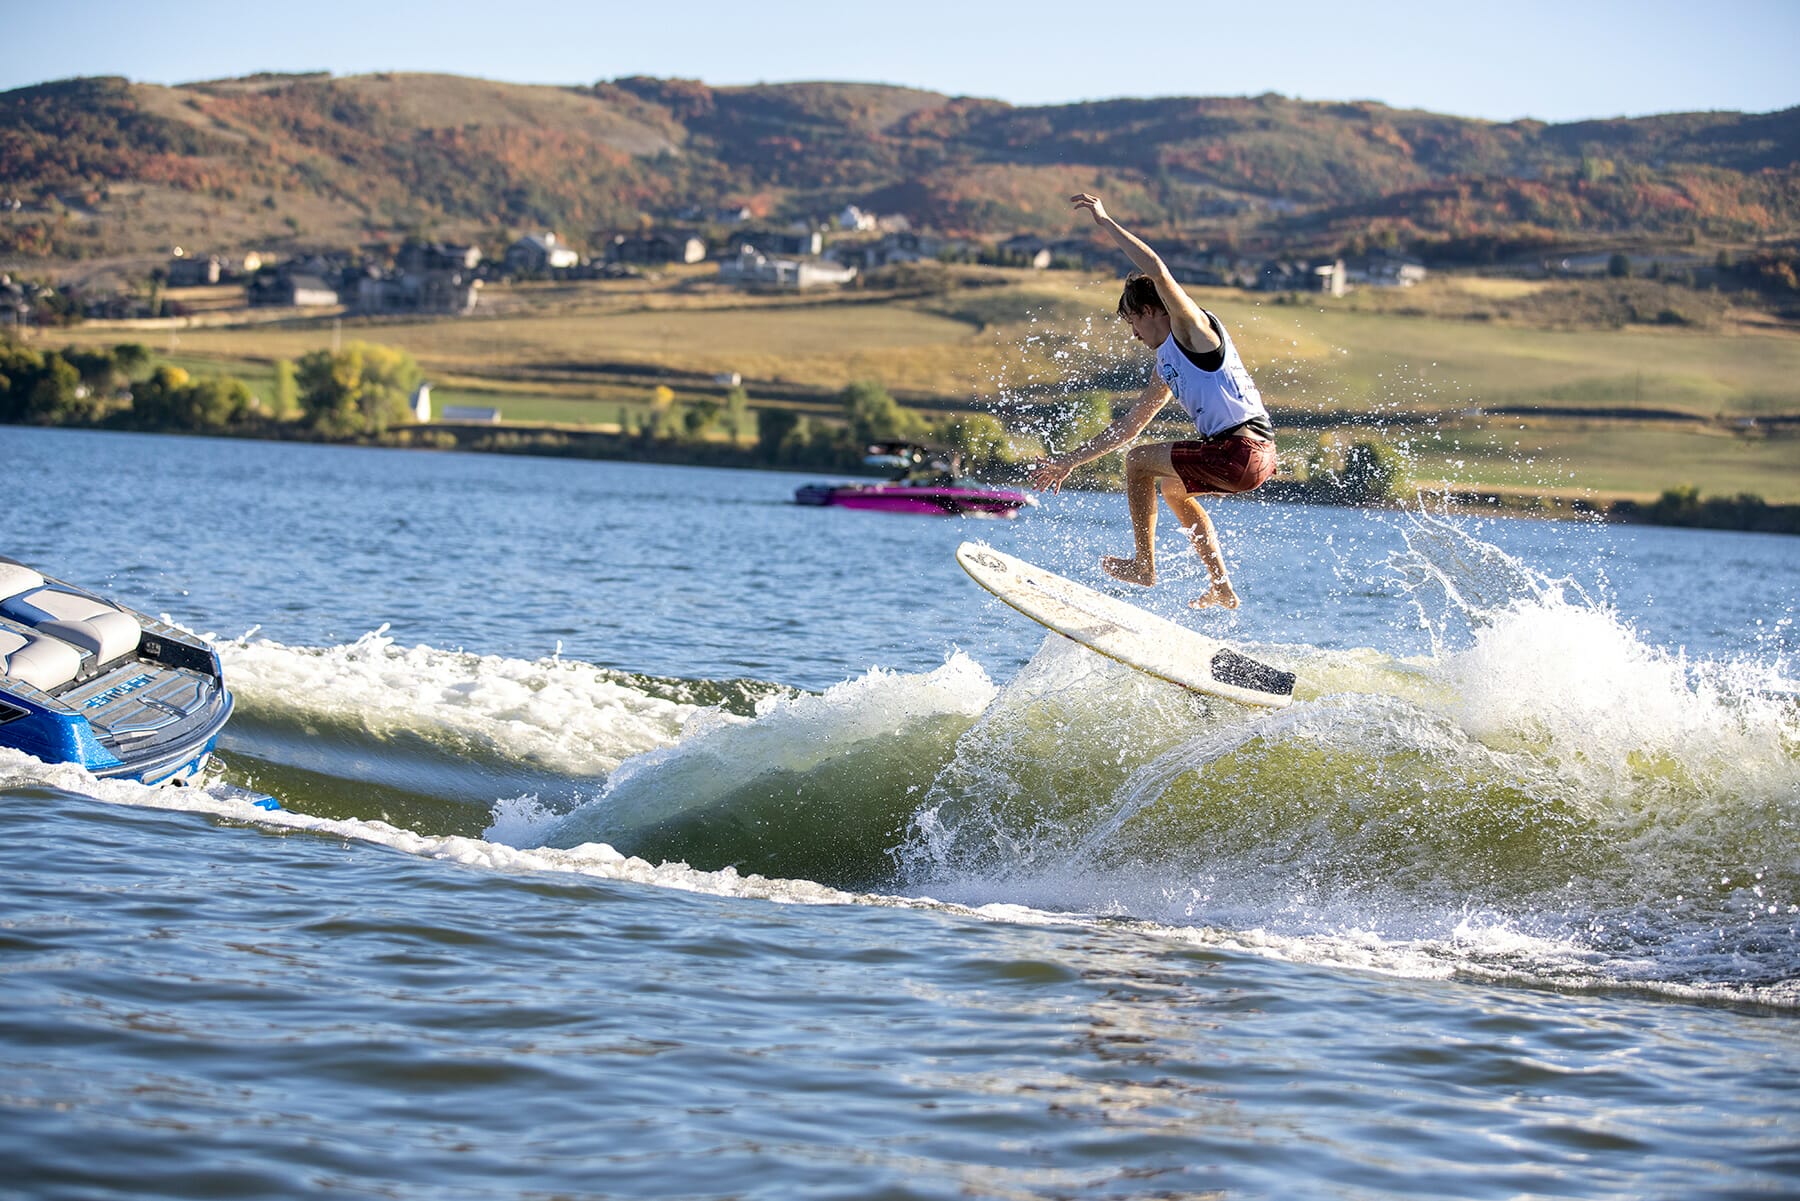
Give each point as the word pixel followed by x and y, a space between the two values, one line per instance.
pixel 540 252
pixel 854 218
pixel 750 268
pixel 308 291
pixel 470 413
pixel 1385 271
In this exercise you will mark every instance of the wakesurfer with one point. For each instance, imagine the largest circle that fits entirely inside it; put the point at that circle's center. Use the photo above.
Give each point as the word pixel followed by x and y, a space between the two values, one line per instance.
pixel 1197 366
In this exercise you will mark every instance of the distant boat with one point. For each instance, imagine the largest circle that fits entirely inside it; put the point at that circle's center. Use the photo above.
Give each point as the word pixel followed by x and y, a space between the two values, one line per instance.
pixel 925 480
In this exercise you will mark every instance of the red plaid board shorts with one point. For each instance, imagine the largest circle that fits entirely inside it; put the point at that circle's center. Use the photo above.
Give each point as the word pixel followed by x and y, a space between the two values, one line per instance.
pixel 1223 464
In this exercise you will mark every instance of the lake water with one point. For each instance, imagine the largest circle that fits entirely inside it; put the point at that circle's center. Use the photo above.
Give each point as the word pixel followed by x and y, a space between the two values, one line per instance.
pixel 647 835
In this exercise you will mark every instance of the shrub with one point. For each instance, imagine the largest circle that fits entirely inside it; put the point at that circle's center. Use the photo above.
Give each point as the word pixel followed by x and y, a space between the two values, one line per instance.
pixel 361 389
pixel 1366 472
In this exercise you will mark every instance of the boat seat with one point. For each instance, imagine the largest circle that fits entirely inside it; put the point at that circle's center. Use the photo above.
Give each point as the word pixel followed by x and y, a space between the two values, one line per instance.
pixel 94 626
pixel 46 663
pixel 16 578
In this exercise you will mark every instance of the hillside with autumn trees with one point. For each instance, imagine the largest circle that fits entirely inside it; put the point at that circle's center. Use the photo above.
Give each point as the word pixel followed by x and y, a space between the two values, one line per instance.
pixel 103 167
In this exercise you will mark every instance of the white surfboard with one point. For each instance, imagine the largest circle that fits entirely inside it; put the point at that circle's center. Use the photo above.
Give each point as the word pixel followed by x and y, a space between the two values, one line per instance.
pixel 1135 637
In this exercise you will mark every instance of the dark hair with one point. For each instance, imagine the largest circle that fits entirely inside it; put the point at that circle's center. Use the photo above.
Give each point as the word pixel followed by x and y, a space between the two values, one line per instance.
pixel 1140 294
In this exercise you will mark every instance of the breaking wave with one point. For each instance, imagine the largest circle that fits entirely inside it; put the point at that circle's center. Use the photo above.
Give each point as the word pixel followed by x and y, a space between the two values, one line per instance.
pixel 1545 796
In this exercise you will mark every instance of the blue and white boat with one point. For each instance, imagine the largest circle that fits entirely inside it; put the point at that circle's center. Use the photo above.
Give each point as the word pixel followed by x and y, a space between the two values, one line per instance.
pixel 86 681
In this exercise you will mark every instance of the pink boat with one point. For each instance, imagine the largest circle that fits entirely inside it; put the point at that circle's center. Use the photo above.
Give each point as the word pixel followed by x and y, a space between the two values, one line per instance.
pixel 928 481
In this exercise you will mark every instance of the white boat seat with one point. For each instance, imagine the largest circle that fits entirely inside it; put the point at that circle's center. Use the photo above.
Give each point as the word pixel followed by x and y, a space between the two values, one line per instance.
pixel 94 626
pixel 45 663
pixel 16 578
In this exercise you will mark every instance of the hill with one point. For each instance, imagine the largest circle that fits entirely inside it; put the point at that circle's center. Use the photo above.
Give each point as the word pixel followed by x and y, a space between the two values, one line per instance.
pixel 107 167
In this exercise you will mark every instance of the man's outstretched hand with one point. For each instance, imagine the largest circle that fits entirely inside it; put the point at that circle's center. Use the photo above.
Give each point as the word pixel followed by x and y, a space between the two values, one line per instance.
pixel 1092 204
pixel 1049 477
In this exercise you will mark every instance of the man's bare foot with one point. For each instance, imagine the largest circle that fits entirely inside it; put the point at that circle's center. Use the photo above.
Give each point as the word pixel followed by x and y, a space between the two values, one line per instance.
pixel 1220 595
pixel 1129 570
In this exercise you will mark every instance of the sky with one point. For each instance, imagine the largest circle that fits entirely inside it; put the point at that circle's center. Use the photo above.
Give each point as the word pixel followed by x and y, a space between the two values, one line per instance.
pixel 1554 60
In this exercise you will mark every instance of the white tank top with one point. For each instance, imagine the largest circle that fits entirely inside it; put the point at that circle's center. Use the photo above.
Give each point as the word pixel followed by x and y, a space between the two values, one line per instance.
pixel 1216 400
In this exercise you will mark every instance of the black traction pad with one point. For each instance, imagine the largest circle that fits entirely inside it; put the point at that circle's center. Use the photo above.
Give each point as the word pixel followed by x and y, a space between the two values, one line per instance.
pixel 1229 667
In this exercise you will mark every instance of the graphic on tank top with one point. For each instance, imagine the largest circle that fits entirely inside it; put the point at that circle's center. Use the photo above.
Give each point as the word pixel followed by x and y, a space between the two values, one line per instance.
pixel 1215 400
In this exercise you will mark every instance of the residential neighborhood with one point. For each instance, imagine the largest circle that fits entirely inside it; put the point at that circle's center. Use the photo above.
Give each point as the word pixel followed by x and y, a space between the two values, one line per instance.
pixel 447 278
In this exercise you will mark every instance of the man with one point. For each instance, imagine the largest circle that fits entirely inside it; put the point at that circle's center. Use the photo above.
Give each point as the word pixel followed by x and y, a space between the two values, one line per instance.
pixel 1197 366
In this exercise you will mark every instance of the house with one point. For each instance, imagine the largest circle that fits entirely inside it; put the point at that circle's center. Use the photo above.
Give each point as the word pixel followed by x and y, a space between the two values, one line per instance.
pixel 1384 271
pixel 789 243
pixel 306 291
pixel 537 253
pixel 853 218
pixel 429 291
pixel 658 246
pixel 902 247
pixel 444 291
pixel 1328 277
pixel 470 413
pixel 419 257
pixel 1289 275
pixel 750 268
pixel 1083 251
pixel 15 306
pixel 309 281
pixel 1027 250
pixel 1279 275
pixel 187 271
pixel 291 288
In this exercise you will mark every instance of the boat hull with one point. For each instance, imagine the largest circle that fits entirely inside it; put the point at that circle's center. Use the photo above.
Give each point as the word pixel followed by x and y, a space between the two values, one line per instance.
pixel 89 682
pixel 935 501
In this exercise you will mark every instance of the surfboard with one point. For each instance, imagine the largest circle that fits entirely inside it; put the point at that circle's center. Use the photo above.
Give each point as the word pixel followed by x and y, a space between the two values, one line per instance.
pixel 1122 631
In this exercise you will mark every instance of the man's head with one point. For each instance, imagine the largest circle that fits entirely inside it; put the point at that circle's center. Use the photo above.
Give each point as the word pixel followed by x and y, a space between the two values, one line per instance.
pixel 1142 306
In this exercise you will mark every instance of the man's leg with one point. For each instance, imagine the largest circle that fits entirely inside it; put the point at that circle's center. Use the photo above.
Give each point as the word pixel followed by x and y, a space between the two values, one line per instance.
pixel 1145 465
pixel 1205 538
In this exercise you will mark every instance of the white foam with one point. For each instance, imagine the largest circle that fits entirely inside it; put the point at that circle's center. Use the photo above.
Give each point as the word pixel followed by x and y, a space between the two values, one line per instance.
pixel 595 860
pixel 565 716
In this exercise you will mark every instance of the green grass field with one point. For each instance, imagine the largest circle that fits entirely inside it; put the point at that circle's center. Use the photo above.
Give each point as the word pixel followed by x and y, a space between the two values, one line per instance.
pixel 1610 460
pixel 537 354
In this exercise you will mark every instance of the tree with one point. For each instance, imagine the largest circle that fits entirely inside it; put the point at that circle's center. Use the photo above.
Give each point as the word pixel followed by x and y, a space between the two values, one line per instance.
pixel 737 413
pixel 361 389
pixel 1366 472
pixel 773 426
pixel 158 402
pixel 20 368
pixel 133 359
pixel 99 369
pixel 875 416
pixel 700 416
pixel 979 438
pixel 1086 415
pixel 57 395
pixel 171 399
pixel 286 402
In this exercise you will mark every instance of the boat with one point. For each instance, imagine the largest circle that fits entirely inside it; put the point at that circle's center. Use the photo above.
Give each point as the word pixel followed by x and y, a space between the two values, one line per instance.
pixel 91 682
pixel 925 480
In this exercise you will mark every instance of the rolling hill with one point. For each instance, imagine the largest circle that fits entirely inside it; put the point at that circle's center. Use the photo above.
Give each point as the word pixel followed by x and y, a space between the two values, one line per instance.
pixel 105 167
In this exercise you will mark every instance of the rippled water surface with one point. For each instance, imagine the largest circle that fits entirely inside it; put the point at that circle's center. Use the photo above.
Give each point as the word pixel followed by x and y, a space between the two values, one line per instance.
pixel 649 836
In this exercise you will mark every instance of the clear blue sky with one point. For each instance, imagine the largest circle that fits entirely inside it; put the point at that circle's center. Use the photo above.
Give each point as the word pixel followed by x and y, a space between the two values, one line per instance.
pixel 1557 60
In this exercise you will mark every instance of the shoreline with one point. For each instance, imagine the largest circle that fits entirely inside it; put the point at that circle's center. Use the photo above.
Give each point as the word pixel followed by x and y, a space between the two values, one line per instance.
pixel 599 445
